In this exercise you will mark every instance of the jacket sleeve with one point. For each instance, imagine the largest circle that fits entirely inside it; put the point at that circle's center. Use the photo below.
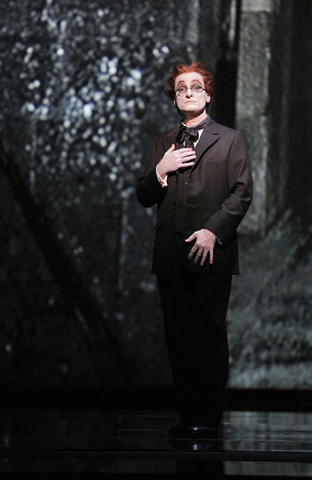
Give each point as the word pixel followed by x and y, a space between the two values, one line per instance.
pixel 149 189
pixel 225 221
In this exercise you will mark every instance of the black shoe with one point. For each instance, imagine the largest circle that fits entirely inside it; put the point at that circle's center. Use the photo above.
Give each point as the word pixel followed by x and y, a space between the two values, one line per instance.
pixel 177 431
pixel 199 431
pixel 195 444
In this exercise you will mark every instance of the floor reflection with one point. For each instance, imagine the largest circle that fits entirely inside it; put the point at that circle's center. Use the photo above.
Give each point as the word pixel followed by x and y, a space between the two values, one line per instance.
pixel 249 443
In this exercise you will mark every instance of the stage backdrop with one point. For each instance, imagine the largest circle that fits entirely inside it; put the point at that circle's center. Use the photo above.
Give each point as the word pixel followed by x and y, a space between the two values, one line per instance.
pixel 82 98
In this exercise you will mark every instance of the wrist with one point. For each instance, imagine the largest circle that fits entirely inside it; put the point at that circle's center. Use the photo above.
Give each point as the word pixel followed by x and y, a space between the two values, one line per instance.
pixel 161 172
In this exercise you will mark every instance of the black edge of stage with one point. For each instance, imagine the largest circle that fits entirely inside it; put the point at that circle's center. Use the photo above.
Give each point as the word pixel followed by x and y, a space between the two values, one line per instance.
pixel 148 398
pixel 138 476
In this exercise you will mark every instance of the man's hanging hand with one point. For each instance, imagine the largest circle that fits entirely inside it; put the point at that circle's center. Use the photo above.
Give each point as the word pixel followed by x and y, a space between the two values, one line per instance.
pixel 205 242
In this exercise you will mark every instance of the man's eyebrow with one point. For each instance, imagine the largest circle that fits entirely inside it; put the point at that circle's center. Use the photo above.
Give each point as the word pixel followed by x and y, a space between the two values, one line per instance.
pixel 192 81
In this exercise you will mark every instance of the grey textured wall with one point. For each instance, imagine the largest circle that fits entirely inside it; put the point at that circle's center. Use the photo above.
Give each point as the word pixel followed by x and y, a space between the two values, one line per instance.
pixel 80 106
pixel 81 101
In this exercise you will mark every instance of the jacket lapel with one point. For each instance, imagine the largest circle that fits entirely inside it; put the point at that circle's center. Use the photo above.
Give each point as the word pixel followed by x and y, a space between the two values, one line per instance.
pixel 170 138
pixel 209 136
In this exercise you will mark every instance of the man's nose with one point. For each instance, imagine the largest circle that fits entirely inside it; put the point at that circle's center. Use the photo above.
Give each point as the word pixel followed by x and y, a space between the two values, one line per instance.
pixel 189 92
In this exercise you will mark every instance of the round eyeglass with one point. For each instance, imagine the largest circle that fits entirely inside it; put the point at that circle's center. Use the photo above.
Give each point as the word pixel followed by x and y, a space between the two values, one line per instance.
pixel 195 89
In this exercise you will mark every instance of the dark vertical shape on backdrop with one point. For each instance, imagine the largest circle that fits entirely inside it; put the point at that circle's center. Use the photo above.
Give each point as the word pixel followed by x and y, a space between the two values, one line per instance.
pixel 226 72
pixel 300 138
pixel 218 51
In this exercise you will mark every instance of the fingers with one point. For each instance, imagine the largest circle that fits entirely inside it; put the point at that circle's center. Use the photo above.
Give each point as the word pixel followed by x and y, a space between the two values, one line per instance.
pixel 189 239
pixel 186 152
pixel 195 249
pixel 197 256
pixel 174 159
pixel 203 254
pixel 184 158
pixel 181 151
pixel 211 256
pixel 187 159
pixel 201 248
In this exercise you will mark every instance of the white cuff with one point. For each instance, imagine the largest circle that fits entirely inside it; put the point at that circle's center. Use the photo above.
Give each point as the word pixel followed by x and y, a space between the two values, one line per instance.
pixel 163 182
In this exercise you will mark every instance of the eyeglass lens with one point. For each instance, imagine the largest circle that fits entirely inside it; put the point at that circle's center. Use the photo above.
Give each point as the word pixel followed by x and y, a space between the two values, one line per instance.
pixel 195 89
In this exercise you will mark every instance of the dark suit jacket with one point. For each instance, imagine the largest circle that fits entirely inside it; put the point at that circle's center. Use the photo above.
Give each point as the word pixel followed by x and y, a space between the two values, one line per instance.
pixel 218 193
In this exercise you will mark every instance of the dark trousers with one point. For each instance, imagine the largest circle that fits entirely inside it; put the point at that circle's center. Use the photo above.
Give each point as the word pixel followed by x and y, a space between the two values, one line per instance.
pixel 194 307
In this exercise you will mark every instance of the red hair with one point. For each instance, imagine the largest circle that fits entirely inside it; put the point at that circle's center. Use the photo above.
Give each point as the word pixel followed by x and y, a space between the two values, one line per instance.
pixel 193 67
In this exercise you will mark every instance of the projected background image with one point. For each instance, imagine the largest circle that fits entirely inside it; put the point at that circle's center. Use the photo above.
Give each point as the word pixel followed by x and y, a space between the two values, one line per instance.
pixel 82 99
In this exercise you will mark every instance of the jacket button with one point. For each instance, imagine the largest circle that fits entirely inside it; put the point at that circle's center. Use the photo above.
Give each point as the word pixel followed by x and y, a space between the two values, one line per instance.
pixel 173 203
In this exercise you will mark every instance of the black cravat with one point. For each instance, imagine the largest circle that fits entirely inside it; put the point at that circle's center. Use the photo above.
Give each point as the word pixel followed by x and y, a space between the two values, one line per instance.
pixel 188 136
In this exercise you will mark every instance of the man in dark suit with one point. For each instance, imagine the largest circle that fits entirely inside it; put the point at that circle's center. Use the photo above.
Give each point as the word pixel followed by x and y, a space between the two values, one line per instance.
pixel 199 175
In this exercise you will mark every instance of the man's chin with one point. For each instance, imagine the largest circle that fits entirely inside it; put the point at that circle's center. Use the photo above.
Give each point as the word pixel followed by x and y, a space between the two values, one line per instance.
pixel 192 113
pixel 190 110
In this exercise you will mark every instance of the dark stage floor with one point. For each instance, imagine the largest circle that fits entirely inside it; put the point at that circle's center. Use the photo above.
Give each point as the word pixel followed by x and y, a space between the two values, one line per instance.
pixel 47 440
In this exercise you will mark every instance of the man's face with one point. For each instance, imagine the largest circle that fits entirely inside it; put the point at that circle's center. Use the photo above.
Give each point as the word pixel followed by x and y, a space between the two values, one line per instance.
pixel 191 103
